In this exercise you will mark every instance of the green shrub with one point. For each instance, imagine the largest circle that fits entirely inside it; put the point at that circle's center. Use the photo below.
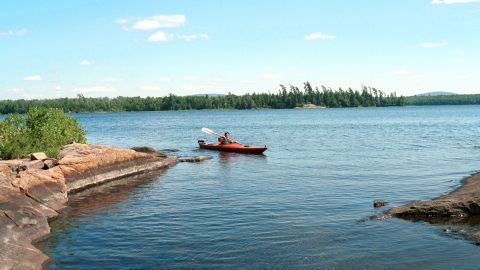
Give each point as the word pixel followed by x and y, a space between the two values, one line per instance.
pixel 40 130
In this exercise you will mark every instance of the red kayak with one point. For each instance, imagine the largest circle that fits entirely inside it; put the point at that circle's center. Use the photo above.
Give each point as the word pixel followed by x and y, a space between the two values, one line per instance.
pixel 233 147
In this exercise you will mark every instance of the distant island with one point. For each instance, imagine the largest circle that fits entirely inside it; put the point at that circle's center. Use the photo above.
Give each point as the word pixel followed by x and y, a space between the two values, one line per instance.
pixel 285 98
pixel 451 99
pixel 436 93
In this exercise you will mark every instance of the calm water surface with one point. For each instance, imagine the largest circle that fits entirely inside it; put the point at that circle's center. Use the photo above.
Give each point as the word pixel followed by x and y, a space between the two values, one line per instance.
pixel 305 204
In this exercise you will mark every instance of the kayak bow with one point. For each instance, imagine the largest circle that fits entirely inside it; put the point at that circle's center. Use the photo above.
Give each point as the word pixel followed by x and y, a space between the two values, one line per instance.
pixel 233 147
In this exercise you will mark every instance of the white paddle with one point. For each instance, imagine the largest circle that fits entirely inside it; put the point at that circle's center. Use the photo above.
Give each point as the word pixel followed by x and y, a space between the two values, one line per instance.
pixel 211 132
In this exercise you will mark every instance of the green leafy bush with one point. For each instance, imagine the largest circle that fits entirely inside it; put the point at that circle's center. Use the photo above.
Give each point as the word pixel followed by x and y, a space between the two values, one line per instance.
pixel 40 130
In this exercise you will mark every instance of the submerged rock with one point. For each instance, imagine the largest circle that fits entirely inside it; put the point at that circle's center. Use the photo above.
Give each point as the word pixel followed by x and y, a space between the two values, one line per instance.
pixel 149 150
pixel 195 159
pixel 170 150
pixel 379 203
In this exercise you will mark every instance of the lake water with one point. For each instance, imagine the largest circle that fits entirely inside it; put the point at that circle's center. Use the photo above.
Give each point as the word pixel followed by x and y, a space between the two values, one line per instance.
pixel 304 205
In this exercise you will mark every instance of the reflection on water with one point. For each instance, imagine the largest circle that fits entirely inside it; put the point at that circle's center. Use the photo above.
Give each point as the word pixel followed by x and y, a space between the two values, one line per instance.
pixel 98 200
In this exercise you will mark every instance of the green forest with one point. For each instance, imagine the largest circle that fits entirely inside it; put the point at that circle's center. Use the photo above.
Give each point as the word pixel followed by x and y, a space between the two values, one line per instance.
pixel 443 100
pixel 286 97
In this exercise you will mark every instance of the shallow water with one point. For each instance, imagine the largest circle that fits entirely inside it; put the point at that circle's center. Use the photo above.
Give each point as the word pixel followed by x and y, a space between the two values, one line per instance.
pixel 305 204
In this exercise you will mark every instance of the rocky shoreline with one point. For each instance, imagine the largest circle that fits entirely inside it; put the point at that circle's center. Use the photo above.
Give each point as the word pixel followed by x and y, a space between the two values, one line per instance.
pixel 33 191
pixel 460 207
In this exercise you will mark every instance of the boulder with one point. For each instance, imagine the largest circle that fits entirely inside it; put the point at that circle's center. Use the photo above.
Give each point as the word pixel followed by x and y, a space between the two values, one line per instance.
pixel 38 156
pixel 148 150
pixel 50 163
pixel 379 203
pixel 32 164
pixel 195 159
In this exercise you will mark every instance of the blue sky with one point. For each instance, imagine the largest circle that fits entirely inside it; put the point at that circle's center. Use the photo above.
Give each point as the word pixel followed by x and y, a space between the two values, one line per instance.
pixel 152 48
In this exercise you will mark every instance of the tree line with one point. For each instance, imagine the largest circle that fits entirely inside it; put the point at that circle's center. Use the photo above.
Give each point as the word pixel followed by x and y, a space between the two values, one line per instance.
pixel 286 97
pixel 443 100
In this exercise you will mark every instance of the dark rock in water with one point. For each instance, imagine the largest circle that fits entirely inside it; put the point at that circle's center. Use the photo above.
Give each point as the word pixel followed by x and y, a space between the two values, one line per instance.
pixel 149 150
pixel 379 203
pixel 144 149
pixel 195 159
pixel 38 156
pixel 463 202
pixel 170 150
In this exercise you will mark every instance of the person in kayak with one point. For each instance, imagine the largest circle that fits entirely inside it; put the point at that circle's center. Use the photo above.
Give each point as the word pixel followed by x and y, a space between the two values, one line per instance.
pixel 225 139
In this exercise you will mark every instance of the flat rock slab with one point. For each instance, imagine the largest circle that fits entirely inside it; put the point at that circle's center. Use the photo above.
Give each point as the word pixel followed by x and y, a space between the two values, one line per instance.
pixel 38 156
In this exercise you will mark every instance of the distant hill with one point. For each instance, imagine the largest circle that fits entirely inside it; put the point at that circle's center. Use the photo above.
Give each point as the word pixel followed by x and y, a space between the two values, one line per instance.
pixel 436 93
pixel 442 98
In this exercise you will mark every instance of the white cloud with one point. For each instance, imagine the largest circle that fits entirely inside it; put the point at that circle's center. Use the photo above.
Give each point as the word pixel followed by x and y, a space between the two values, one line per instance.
pixel 159 21
pixel 449 2
pixel 121 20
pixel 319 36
pixel 94 89
pixel 86 63
pixel 192 37
pixel 33 78
pixel 9 33
pixel 162 36
pixel 271 76
pixel 112 80
pixel 432 45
